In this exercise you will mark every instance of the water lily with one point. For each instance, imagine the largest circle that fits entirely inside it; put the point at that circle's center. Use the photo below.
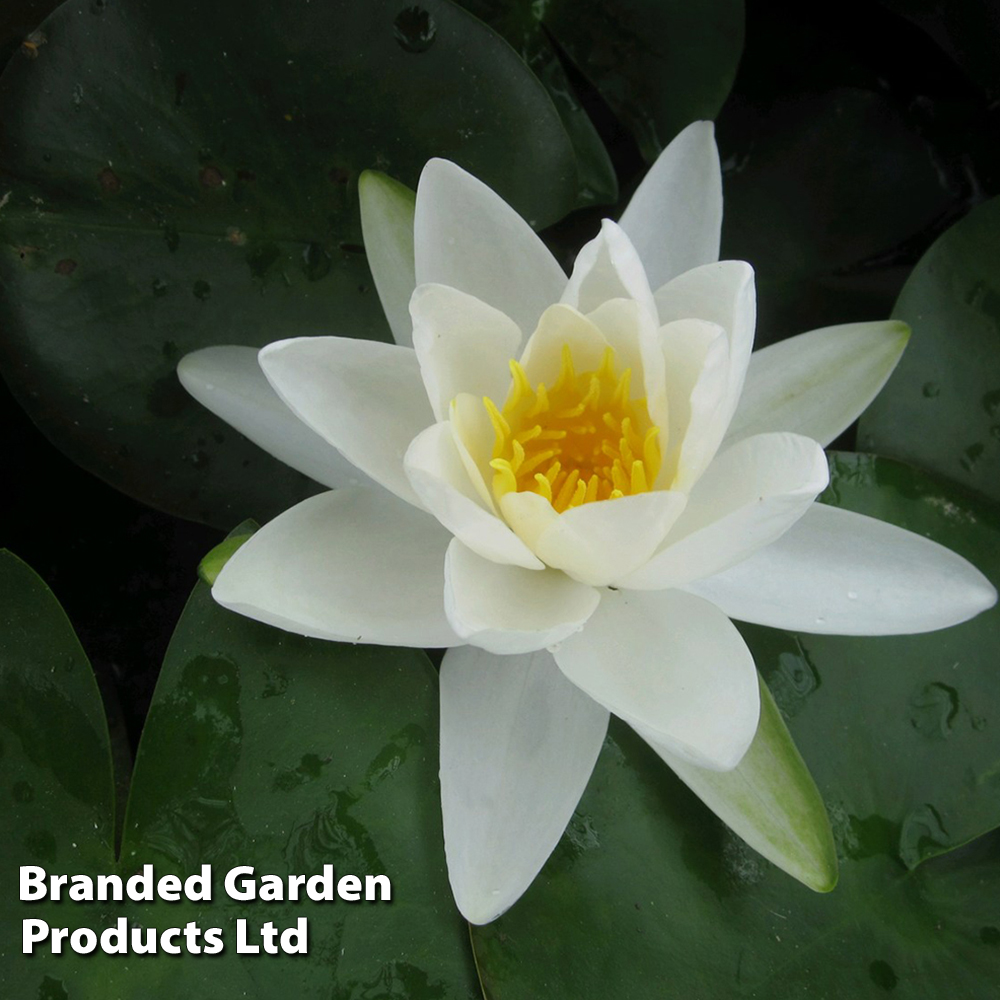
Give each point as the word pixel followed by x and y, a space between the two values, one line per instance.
pixel 573 484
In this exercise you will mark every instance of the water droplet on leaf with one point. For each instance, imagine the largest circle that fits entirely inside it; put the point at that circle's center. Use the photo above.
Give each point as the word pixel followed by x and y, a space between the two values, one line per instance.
pixel 414 29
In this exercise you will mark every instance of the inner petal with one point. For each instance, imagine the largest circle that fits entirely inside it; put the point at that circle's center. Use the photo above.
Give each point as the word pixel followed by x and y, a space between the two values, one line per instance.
pixel 577 440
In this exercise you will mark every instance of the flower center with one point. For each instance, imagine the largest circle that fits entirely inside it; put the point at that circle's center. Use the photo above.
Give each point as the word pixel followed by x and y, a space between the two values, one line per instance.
pixel 579 440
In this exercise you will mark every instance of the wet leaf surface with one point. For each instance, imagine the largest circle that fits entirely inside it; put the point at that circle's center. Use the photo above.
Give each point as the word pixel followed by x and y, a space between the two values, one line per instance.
pixel 941 408
pixel 900 734
pixel 177 176
pixel 659 64
pixel 260 749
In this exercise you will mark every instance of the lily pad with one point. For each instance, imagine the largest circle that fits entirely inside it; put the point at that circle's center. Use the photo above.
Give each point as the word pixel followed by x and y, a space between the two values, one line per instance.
pixel 260 749
pixel 180 175
pixel 900 735
pixel 822 194
pixel 659 64
pixel 941 408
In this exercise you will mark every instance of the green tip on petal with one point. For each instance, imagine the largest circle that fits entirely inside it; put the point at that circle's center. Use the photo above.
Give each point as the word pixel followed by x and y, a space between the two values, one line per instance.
pixel 387 210
pixel 901 330
pixel 211 565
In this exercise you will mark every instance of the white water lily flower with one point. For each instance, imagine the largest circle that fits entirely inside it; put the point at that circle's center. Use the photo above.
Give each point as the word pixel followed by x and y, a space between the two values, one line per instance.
pixel 575 483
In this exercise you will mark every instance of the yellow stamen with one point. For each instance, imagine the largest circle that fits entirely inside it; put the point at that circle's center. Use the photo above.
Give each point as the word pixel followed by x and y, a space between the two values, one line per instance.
pixel 580 439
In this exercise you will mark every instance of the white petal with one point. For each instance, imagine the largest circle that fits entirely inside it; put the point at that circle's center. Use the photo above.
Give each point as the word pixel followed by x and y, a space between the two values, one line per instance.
pixel 749 496
pixel 608 267
pixel 387 229
pixel 820 382
pixel 518 744
pixel 364 397
pixel 600 542
pixel 468 237
pixel 770 800
pixel 528 514
pixel 441 480
pixel 672 666
pixel 724 294
pixel 675 216
pixel 507 609
pixel 634 335
pixel 696 373
pixel 474 437
pixel 354 565
pixel 622 324
pixel 229 382
pixel 560 324
pixel 462 344
pixel 838 572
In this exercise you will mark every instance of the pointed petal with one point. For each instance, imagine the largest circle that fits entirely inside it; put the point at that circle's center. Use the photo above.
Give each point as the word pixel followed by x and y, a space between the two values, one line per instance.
pixel 600 542
pixel 840 573
pixel 820 382
pixel 387 229
pixel 473 433
pixel 675 216
pixel 507 609
pixel 724 294
pixel 353 565
pixel 462 344
pixel 636 342
pixel 749 496
pixel 440 479
pixel 365 398
pixel 770 800
pixel 696 374
pixel 518 744
pixel 467 236
pixel 560 324
pixel 608 267
pixel 229 382
pixel 674 668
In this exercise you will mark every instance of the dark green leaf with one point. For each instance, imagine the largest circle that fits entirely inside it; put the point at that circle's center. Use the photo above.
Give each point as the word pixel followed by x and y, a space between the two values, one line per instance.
pixel 659 64
pixel 519 24
pixel 821 191
pixel 900 734
pixel 180 175
pixel 262 749
pixel 941 408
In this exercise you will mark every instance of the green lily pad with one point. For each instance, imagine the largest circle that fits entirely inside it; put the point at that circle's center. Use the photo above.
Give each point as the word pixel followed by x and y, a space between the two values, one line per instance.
pixel 821 192
pixel 900 735
pixel 659 64
pixel 180 175
pixel 941 408
pixel 520 25
pixel 261 749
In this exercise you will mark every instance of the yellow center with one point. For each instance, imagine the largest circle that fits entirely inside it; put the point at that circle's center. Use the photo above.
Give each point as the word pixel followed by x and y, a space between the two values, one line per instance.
pixel 579 440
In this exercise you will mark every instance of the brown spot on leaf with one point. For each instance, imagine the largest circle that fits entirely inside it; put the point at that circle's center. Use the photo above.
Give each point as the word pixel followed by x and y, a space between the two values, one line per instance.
pixel 211 177
pixel 66 266
pixel 31 45
pixel 110 182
